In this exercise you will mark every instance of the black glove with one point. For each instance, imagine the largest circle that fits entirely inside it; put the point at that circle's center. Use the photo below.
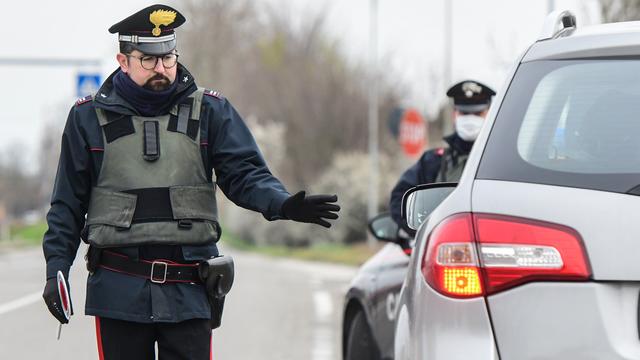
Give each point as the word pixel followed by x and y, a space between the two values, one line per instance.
pixel 52 299
pixel 311 209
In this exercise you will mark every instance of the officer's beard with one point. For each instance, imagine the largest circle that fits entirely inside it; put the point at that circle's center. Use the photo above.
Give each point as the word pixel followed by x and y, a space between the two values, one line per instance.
pixel 158 82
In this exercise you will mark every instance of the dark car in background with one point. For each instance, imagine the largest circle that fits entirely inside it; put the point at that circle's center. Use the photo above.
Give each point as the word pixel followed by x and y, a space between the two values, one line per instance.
pixel 370 303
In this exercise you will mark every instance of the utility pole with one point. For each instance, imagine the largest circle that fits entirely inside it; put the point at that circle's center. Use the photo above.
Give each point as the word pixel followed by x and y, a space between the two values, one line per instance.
pixel 5 233
pixel 447 126
pixel 374 171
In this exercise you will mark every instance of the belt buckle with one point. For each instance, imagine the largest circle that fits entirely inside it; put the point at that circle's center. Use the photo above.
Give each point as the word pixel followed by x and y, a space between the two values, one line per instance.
pixel 164 278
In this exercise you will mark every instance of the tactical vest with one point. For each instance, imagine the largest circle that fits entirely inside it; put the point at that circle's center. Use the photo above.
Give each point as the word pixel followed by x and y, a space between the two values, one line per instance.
pixel 152 187
pixel 451 166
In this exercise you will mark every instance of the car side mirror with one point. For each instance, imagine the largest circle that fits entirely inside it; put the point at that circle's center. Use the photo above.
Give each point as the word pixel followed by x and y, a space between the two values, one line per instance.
pixel 383 228
pixel 420 201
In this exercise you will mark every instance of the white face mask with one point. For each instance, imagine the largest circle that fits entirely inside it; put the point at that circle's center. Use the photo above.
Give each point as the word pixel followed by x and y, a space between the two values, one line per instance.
pixel 468 126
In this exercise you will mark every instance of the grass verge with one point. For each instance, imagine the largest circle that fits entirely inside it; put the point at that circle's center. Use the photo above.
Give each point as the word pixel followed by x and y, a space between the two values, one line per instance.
pixel 25 235
pixel 334 253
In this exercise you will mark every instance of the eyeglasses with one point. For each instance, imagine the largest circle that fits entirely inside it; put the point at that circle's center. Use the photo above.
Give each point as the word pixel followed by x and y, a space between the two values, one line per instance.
pixel 149 62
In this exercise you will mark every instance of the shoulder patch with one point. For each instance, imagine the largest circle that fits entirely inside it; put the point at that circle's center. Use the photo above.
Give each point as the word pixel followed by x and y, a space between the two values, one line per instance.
pixel 440 151
pixel 213 93
pixel 83 100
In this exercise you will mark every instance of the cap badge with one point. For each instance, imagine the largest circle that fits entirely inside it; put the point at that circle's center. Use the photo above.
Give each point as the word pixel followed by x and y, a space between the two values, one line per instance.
pixel 470 88
pixel 161 17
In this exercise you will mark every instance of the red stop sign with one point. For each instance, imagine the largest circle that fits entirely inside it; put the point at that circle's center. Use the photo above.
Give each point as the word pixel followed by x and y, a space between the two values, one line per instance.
pixel 412 133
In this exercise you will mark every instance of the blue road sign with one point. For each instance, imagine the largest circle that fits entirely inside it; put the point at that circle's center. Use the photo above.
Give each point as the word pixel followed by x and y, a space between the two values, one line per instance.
pixel 87 84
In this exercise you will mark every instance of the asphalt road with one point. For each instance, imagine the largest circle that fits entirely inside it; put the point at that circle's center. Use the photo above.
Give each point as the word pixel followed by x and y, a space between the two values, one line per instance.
pixel 277 310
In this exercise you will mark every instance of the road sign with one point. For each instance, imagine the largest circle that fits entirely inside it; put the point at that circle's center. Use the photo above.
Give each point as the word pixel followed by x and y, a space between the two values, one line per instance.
pixel 412 133
pixel 87 84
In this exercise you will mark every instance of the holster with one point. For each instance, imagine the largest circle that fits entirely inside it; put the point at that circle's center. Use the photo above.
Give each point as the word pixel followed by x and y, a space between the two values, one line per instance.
pixel 92 259
pixel 217 276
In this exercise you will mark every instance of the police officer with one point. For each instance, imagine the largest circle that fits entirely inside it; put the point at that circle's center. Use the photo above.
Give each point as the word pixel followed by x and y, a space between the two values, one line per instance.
pixel 471 100
pixel 138 159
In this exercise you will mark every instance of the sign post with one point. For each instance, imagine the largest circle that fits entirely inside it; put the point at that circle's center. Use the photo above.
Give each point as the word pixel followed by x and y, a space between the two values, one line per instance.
pixel 4 224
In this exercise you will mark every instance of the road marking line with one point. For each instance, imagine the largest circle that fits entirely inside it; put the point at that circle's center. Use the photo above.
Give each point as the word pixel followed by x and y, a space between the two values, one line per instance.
pixel 323 335
pixel 21 302
pixel 323 305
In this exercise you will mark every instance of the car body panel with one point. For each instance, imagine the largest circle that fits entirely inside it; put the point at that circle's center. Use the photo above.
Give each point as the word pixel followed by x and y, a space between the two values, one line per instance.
pixel 431 326
pixel 384 299
pixel 375 290
pixel 609 223
pixel 450 329
pixel 567 321
pixel 621 39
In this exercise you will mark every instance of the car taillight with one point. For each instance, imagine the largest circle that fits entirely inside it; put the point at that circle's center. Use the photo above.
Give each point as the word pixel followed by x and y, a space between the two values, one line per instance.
pixel 470 255
pixel 451 264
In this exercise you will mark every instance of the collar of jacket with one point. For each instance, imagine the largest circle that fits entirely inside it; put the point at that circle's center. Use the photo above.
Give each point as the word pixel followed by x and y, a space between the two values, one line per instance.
pixel 108 99
pixel 456 143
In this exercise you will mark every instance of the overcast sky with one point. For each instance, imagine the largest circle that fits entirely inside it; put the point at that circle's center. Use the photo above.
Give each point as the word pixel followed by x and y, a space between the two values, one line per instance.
pixel 488 35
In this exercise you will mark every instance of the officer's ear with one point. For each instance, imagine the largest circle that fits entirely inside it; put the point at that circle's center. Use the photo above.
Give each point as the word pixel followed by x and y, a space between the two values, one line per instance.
pixel 123 61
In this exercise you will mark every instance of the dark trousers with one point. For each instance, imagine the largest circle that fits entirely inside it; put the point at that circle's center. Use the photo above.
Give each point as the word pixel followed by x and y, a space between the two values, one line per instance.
pixel 124 340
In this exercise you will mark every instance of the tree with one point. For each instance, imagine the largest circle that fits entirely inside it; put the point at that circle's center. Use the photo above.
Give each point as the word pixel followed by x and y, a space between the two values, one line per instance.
pixel 619 10
pixel 275 72
pixel 298 78
pixel 18 189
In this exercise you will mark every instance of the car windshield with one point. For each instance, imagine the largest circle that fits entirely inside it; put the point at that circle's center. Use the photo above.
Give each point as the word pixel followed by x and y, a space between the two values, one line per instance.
pixel 561 120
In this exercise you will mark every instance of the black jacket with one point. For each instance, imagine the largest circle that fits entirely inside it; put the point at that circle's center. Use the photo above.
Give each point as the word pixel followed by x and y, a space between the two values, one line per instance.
pixel 425 171
pixel 227 147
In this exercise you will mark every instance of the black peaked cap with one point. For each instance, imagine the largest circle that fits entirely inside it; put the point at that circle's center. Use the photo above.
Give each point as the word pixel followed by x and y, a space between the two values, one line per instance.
pixel 150 30
pixel 471 96
pixel 140 23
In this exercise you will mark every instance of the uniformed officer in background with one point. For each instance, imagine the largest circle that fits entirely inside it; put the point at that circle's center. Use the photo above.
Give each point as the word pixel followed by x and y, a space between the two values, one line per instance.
pixel 137 160
pixel 471 101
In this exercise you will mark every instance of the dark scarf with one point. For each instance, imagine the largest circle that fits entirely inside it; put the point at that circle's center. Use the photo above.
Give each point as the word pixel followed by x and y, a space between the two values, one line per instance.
pixel 146 102
pixel 456 143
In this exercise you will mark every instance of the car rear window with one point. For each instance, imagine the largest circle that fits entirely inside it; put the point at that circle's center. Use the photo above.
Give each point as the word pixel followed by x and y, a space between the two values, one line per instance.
pixel 570 123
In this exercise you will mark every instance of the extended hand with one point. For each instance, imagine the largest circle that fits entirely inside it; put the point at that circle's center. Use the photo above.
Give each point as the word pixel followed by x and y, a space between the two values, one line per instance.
pixel 311 209
pixel 52 299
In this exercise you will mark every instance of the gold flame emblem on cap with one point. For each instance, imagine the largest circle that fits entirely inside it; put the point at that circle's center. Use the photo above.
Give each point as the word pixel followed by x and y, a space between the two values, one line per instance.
pixel 161 17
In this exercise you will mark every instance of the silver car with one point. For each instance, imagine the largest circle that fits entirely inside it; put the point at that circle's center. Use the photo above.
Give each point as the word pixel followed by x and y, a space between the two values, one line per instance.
pixel 535 254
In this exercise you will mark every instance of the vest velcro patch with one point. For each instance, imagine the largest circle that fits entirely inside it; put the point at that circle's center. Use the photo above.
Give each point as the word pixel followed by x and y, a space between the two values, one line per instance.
pixel 84 100
pixel 213 93
pixel 183 123
pixel 153 204
pixel 151 141
pixel 192 127
pixel 118 128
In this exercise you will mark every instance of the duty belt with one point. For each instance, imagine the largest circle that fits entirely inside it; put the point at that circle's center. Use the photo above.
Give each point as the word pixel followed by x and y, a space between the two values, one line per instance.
pixel 157 271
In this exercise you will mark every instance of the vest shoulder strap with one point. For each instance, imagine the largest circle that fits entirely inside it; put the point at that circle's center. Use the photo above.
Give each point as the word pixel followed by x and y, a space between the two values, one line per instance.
pixel 193 101
pixel 197 103
pixel 105 117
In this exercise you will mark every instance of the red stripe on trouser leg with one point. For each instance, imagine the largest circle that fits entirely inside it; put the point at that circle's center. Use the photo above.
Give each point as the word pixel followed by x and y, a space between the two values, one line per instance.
pixel 99 339
pixel 211 346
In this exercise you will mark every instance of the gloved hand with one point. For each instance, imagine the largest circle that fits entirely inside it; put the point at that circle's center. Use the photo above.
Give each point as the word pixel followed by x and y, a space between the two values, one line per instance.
pixel 311 209
pixel 52 299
